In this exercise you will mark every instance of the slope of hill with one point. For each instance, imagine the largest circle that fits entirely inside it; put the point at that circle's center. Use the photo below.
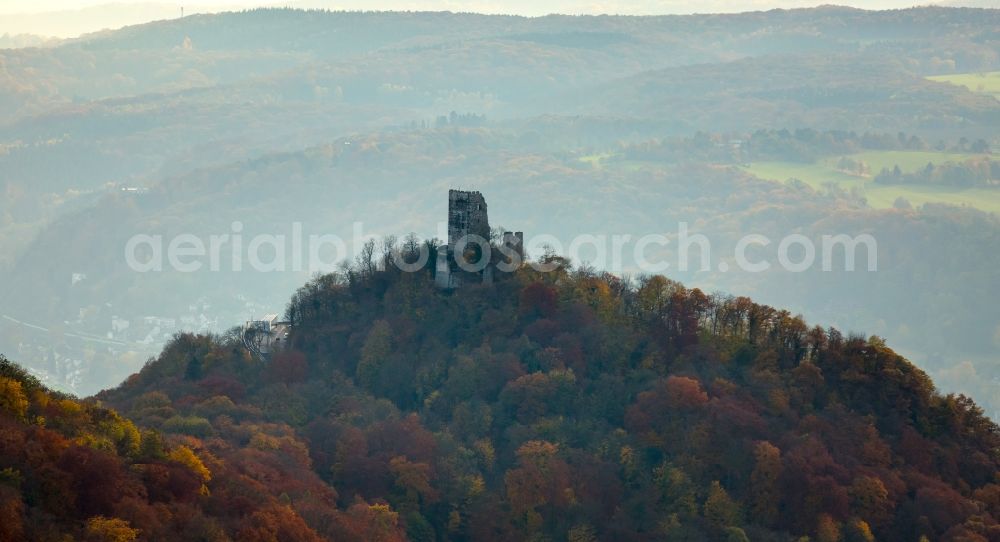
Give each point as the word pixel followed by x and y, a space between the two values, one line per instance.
pixel 561 405
pixel 851 92
pixel 72 470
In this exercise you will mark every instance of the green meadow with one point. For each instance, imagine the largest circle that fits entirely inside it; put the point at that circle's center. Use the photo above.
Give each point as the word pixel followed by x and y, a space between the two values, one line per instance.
pixel 983 82
pixel 825 171
pixel 610 159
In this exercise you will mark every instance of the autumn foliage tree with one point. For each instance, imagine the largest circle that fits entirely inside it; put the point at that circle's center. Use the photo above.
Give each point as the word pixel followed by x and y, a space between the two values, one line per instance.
pixel 562 406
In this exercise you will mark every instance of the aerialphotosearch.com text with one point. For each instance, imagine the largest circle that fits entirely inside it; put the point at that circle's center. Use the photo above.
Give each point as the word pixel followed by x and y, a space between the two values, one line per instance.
pixel 682 251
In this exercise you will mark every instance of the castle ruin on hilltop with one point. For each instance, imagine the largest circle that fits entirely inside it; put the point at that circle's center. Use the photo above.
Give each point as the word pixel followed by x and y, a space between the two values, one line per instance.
pixel 465 258
pixel 471 256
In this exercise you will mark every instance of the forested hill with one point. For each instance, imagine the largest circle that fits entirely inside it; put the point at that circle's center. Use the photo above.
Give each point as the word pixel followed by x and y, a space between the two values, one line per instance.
pixel 547 406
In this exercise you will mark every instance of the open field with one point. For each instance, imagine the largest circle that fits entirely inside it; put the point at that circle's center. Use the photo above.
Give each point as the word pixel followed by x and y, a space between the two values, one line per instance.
pixel 611 159
pixel 908 161
pixel 882 196
pixel 983 82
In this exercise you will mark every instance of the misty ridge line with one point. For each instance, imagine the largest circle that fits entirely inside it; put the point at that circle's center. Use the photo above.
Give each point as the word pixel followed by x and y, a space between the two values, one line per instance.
pixel 49 21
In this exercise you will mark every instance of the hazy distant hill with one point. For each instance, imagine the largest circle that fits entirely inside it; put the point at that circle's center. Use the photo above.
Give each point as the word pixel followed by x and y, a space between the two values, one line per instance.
pixel 211 114
pixel 15 41
pixel 852 92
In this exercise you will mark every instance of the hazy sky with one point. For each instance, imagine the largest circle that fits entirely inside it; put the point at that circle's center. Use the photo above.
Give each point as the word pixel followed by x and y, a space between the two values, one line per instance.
pixel 536 6
pixel 67 18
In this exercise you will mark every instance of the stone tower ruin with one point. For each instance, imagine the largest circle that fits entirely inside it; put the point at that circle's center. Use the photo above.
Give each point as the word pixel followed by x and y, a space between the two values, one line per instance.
pixel 466 216
pixel 469 230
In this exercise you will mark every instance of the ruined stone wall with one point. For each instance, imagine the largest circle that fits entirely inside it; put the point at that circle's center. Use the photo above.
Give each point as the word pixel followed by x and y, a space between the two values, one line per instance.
pixel 514 241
